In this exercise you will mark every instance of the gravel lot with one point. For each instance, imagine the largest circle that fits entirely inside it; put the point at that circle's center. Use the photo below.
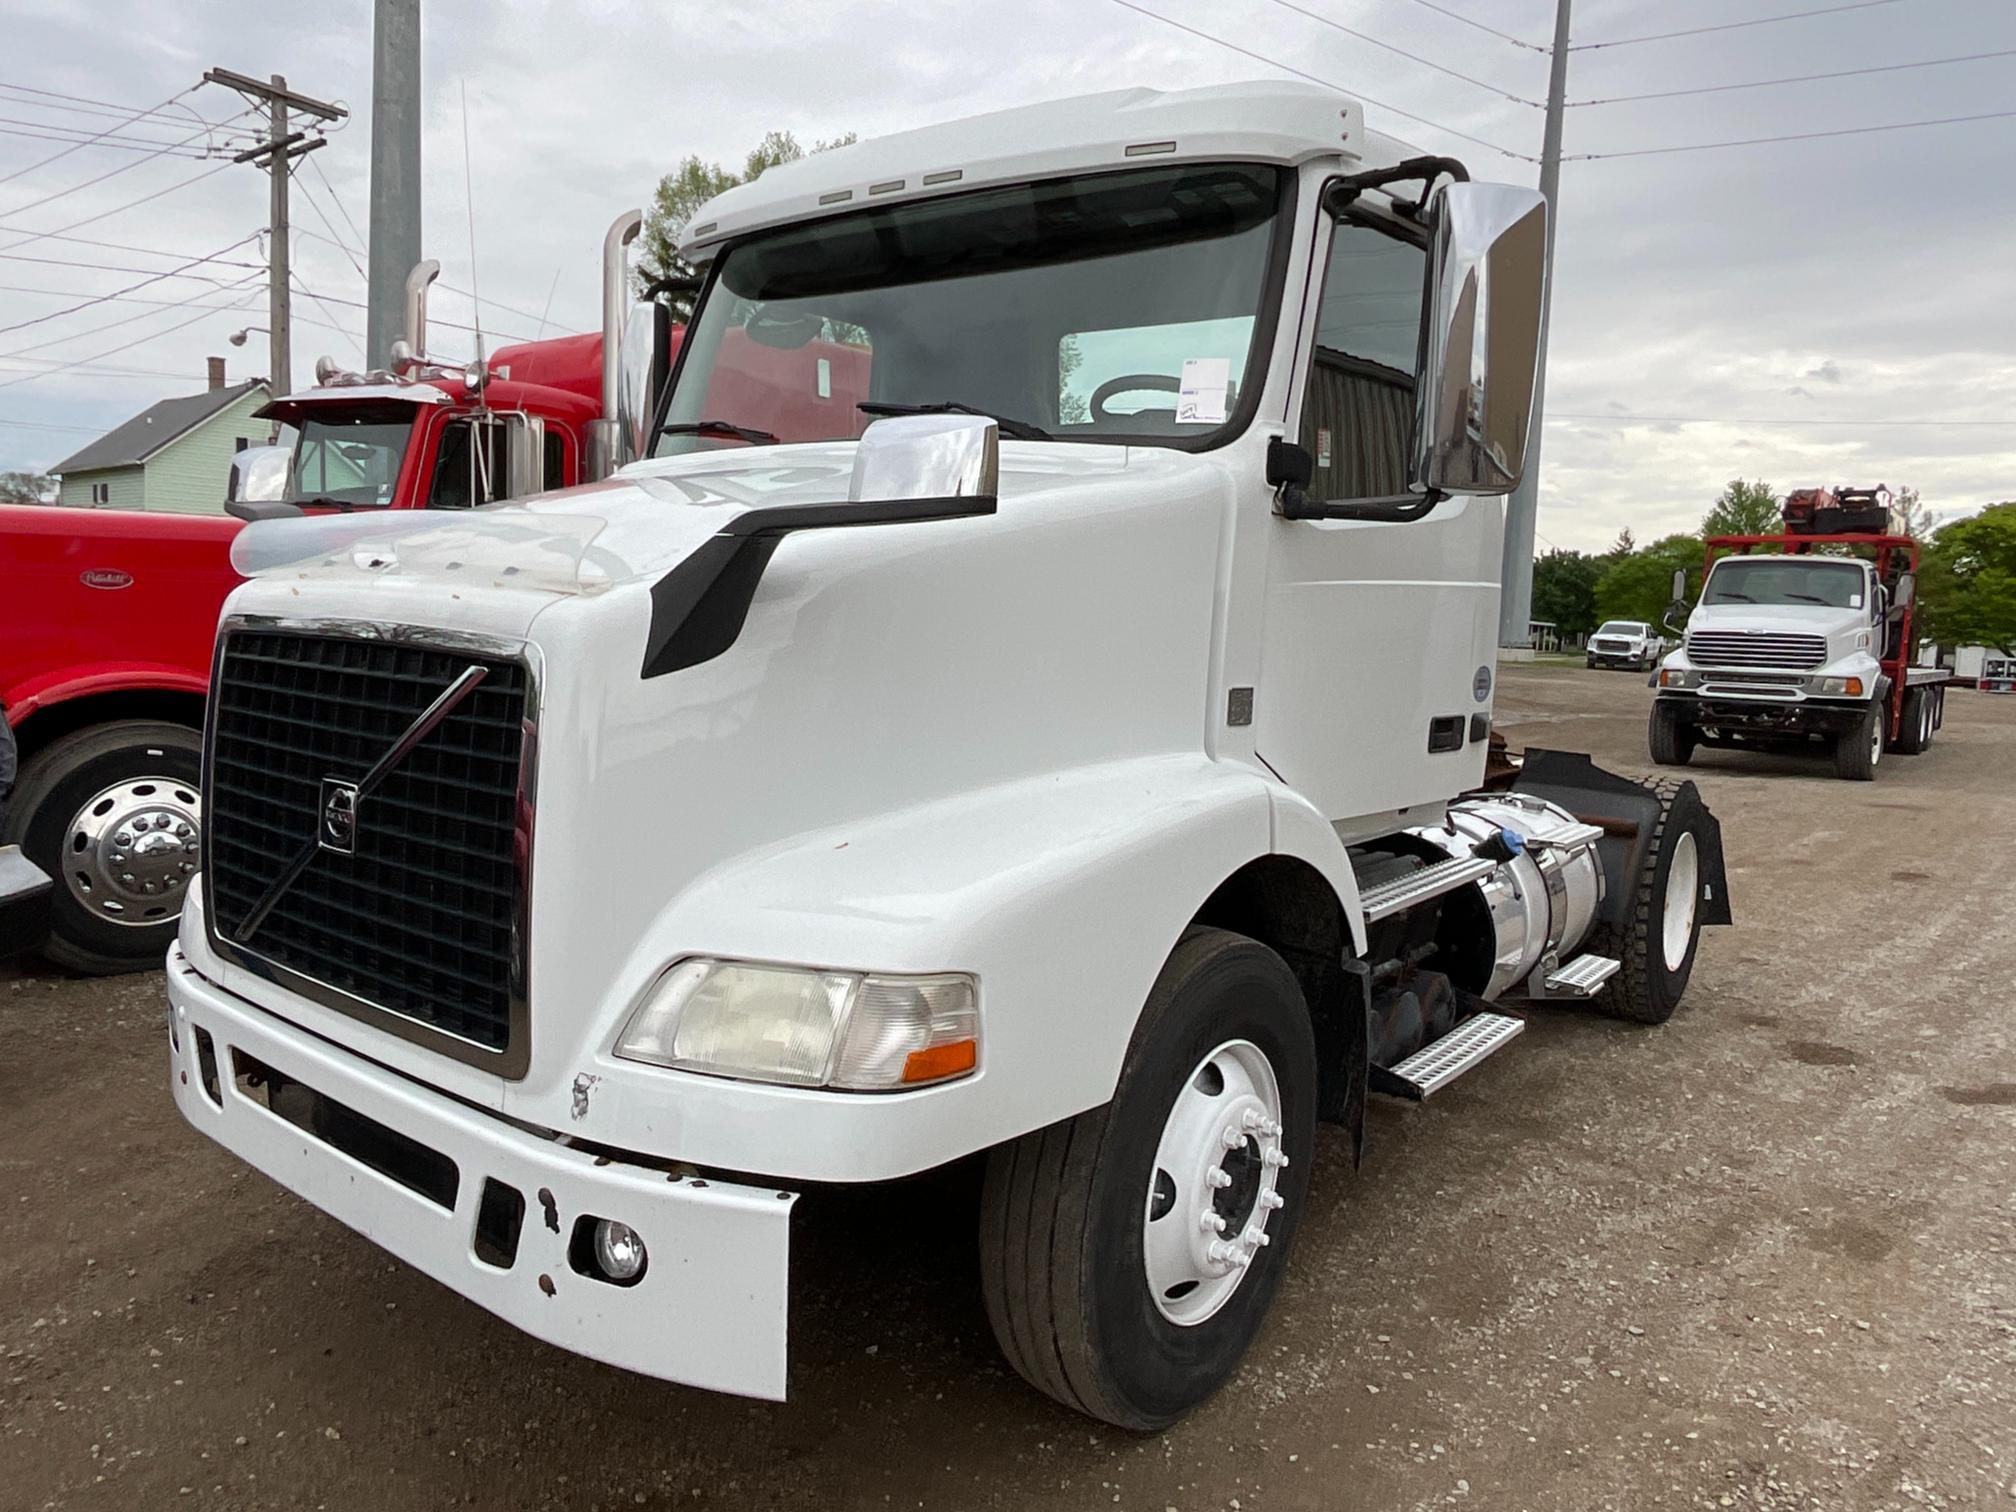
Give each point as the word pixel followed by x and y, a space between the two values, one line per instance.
pixel 1763 1257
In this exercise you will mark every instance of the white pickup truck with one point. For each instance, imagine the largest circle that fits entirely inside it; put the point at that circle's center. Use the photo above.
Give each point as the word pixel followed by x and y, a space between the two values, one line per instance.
pixel 1801 651
pixel 1625 643
pixel 1077 752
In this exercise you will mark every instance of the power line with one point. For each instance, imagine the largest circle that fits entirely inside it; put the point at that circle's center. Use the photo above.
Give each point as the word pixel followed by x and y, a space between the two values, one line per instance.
pixel 1444 10
pixel 127 167
pixel 124 320
pixel 35 236
pixel 1405 115
pixel 42 425
pixel 88 241
pixel 135 144
pixel 332 238
pixel 56 156
pixel 122 372
pixel 1794 136
pixel 1697 31
pixel 1845 73
pixel 341 329
pixel 202 314
pixel 119 293
pixel 107 107
pixel 1410 56
pixel 337 200
pixel 98 267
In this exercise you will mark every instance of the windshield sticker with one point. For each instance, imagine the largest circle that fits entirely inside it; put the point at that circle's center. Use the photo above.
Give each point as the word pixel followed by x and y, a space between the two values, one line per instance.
pixel 1201 400
pixel 1323 446
pixel 825 378
pixel 1854 601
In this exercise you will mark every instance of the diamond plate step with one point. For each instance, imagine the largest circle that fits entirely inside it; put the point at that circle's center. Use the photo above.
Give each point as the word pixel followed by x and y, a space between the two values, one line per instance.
pixel 1429 1070
pixel 1568 837
pixel 1418 887
pixel 1582 976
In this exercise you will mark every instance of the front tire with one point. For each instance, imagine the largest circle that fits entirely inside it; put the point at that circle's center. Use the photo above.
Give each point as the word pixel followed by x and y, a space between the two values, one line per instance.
pixel 113 814
pixel 1672 742
pixel 1858 751
pixel 1093 1301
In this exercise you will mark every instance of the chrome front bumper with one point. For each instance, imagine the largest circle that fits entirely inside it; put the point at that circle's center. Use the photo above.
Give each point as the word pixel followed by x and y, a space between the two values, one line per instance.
pixel 710 1308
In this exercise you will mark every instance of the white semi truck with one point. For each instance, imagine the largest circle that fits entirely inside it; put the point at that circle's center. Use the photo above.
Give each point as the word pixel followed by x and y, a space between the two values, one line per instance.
pixel 1075 753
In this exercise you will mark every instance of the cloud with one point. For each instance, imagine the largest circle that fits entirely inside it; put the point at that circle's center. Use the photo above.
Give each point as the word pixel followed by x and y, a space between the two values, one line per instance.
pixel 1828 371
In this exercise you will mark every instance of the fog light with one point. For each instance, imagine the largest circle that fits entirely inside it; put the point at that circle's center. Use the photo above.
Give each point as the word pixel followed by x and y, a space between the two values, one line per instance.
pixel 619 1251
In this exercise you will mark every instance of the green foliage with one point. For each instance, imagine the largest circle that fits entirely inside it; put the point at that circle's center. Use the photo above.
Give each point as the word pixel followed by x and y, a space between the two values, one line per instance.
pixel 1564 590
pixel 1743 509
pixel 689 186
pixel 26 488
pixel 1967 583
pixel 1640 586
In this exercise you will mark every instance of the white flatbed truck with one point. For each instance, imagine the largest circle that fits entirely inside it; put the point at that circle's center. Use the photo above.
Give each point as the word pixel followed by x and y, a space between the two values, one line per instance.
pixel 1074 752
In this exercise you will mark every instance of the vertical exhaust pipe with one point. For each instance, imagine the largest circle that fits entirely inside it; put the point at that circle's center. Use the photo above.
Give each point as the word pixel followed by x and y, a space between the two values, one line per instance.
pixel 423 274
pixel 604 451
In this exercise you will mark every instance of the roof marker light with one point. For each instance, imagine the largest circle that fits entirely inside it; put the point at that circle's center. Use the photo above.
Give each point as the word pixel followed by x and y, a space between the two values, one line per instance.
pixel 1150 149
pixel 945 176
pixel 889 187
pixel 837 197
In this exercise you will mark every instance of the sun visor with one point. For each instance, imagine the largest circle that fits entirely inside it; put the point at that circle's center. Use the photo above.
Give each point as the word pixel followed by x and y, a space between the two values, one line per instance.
pixel 498 547
pixel 289 408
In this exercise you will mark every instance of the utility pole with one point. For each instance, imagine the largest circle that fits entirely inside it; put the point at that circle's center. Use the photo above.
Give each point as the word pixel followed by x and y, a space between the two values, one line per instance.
pixel 395 172
pixel 276 154
pixel 1515 603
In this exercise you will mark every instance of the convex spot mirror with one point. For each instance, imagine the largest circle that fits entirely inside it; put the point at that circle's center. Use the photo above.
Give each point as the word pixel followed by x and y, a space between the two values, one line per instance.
pixel 1487 260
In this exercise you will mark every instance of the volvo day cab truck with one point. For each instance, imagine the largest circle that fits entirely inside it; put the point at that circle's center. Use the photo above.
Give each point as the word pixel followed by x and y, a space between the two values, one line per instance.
pixel 111 615
pixel 1793 648
pixel 1074 752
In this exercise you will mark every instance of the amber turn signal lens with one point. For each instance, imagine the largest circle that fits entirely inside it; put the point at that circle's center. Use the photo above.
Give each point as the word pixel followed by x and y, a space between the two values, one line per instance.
pixel 940 1061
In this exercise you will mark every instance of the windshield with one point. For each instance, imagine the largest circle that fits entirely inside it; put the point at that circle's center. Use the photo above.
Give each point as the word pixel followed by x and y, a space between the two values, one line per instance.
pixel 352 455
pixel 1834 585
pixel 1621 627
pixel 1107 307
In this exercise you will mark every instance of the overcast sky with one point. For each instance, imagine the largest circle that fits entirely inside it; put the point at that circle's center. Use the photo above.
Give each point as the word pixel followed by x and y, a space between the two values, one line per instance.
pixel 1850 279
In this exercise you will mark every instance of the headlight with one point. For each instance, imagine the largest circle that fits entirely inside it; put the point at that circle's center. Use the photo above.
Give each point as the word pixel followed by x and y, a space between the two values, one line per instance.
pixel 1677 677
pixel 1849 686
pixel 807 1028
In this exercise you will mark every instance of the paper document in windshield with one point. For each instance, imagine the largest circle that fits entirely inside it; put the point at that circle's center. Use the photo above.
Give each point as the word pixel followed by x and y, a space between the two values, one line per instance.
pixel 1201 399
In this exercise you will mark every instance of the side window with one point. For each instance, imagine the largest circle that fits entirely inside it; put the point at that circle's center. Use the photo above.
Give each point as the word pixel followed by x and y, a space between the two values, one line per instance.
pixel 1358 405
pixel 469 466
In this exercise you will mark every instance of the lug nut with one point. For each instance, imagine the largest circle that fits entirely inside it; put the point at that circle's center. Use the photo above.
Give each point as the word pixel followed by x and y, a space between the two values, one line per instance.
pixel 1220 1252
pixel 1232 1138
pixel 1276 1159
pixel 126 877
pixel 1218 1178
pixel 1211 1223
pixel 183 831
pixel 1257 1238
pixel 1252 1119
pixel 1272 1200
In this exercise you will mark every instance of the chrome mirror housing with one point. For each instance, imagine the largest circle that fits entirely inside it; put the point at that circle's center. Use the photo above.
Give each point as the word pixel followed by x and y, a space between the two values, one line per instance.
pixel 1487 261
pixel 258 475
pixel 636 382
pixel 927 457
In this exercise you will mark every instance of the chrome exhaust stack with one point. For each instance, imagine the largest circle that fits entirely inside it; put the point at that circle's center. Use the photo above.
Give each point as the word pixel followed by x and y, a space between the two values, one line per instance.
pixel 604 434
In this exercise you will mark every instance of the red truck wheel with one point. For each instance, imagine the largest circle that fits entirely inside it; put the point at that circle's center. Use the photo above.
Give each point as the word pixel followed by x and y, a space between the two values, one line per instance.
pixel 114 814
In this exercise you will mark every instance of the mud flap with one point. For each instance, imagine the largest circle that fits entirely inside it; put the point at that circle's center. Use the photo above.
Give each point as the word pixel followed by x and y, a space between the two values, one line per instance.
pixel 1344 1052
pixel 1627 812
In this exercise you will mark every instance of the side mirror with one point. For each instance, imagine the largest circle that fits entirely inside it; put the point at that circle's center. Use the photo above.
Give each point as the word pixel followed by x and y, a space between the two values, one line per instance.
pixel 640 365
pixel 1907 590
pixel 1487 261
pixel 1679 585
pixel 927 457
pixel 258 476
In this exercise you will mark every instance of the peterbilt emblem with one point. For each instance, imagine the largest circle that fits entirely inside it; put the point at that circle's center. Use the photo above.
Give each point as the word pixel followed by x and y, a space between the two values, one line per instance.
pixel 339 816
pixel 105 577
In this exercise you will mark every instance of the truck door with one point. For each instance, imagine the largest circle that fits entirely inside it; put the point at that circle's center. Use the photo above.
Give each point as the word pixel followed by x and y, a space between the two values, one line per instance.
pixel 1380 637
pixel 482 459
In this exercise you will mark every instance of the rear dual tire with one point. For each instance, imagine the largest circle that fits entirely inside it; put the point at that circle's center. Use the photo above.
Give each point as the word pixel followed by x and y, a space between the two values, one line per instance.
pixel 1655 941
pixel 1069 1238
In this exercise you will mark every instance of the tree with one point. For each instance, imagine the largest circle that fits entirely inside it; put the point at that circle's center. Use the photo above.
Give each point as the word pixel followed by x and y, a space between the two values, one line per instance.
pixel 1913 518
pixel 1623 546
pixel 1564 590
pixel 27 488
pixel 1743 509
pixel 689 186
pixel 1640 586
pixel 1967 585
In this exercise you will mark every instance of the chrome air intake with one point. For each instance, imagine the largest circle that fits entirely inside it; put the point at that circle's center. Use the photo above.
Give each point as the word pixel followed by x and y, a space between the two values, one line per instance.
pixel 1542 899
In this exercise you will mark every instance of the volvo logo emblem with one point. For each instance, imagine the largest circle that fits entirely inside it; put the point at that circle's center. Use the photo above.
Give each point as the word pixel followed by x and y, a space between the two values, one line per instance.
pixel 339 816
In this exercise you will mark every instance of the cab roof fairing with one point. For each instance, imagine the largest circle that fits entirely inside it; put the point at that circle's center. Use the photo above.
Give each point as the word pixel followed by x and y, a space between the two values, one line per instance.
pixel 1272 122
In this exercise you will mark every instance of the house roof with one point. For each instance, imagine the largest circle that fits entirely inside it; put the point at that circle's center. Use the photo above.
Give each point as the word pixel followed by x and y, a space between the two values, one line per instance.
pixel 153 428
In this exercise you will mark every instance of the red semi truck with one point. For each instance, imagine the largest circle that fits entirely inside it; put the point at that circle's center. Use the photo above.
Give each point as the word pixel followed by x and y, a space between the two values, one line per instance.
pixel 111 616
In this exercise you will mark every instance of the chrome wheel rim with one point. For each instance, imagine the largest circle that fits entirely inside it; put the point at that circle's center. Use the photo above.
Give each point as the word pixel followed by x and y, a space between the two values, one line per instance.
pixel 129 853
pixel 1683 893
pixel 1215 1184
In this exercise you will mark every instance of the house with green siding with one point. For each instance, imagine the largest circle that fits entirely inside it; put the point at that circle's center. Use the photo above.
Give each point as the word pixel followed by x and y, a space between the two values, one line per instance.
pixel 174 456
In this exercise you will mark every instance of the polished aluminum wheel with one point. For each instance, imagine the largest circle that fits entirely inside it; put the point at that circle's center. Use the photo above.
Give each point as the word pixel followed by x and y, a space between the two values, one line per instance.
pixel 129 853
pixel 1215 1183
pixel 1683 896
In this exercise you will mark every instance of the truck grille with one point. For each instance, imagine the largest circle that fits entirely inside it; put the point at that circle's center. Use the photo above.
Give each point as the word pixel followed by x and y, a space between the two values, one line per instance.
pixel 1602 643
pixel 420 918
pixel 1748 648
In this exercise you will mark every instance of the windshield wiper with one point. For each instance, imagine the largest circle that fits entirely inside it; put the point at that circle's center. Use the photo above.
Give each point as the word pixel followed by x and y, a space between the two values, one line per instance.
pixel 1808 598
pixel 747 433
pixel 1018 430
pixel 1730 593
